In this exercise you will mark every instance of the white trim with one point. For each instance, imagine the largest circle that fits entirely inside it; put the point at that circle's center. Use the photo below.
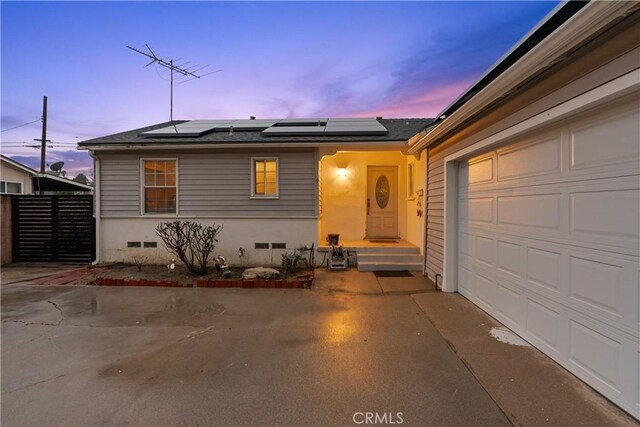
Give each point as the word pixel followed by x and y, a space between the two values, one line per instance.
pixel 163 216
pixel 98 207
pixel 615 89
pixel 142 188
pixel 450 262
pixel 363 146
pixel 253 194
pixel 6 181
pixel 577 30
pixel 623 85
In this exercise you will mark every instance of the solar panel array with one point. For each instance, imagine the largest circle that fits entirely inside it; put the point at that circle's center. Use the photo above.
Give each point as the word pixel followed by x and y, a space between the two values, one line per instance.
pixel 273 127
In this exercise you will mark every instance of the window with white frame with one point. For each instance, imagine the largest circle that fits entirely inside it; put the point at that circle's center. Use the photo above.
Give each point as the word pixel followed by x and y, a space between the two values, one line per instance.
pixel 159 186
pixel 10 187
pixel 264 177
pixel 410 182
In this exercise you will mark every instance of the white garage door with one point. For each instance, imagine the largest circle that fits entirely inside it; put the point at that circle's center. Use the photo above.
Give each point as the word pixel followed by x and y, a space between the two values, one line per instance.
pixel 548 243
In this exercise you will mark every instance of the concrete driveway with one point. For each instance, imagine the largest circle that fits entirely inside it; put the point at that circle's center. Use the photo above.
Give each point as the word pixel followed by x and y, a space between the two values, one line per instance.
pixel 78 356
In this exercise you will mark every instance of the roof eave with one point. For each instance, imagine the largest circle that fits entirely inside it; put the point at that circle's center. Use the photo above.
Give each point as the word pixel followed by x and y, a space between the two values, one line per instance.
pixel 578 29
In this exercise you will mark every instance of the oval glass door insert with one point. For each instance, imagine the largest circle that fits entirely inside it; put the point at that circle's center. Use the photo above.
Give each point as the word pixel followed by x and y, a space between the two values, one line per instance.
pixel 382 191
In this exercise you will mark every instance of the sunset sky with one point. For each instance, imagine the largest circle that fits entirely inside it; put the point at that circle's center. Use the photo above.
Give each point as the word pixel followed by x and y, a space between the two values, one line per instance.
pixel 277 60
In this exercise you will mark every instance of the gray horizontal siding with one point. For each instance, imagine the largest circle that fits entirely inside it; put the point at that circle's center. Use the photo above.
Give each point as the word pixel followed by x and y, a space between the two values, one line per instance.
pixel 120 185
pixel 216 184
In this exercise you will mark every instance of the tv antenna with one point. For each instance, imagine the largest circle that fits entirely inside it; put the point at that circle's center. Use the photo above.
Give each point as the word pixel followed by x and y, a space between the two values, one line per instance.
pixel 188 72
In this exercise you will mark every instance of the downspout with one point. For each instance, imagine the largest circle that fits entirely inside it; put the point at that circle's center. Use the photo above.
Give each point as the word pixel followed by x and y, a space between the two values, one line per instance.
pixel 96 198
pixel 425 208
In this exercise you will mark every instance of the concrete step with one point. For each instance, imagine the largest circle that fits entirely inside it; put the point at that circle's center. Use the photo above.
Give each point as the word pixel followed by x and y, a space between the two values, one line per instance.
pixel 384 250
pixel 388 266
pixel 402 258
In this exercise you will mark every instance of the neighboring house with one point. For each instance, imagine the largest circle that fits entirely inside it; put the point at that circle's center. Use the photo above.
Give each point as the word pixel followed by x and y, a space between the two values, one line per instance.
pixel 15 178
pixel 272 184
pixel 534 193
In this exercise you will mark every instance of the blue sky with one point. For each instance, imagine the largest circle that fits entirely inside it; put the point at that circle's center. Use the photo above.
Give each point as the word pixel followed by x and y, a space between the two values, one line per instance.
pixel 277 59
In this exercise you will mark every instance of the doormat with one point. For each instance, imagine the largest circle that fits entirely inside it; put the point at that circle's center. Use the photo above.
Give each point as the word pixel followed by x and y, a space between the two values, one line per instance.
pixel 401 273
pixel 383 241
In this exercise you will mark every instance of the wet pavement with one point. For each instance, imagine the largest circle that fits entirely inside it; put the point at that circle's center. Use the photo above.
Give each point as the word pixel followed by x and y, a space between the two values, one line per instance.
pixel 76 355
pixel 140 356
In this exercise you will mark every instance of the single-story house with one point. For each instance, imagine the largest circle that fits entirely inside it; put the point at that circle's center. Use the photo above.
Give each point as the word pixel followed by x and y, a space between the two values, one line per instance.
pixel 273 184
pixel 15 178
pixel 523 195
pixel 533 193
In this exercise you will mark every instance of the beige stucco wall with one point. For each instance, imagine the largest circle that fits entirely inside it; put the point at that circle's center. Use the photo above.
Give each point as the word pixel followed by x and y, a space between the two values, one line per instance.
pixel 10 173
pixel 344 198
pixel 237 232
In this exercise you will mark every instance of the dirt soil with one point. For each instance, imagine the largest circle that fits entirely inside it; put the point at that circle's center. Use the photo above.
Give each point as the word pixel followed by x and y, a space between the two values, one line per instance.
pixel 155 272
pixel 158 272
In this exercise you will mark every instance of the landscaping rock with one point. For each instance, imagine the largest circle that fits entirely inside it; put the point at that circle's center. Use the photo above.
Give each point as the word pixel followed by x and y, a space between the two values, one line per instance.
pixel 260 273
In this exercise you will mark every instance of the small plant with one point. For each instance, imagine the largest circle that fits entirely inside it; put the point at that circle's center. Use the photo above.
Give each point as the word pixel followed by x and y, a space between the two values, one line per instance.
pixel 291 261
pixel 190 241
pixel 139 261
pixel 241 252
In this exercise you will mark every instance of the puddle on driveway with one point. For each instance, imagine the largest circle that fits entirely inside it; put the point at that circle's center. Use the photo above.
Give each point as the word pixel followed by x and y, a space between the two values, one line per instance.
pixel 139 307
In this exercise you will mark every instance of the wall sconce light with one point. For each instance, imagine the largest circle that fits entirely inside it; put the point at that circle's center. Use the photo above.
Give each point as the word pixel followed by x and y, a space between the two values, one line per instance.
pixel 342 172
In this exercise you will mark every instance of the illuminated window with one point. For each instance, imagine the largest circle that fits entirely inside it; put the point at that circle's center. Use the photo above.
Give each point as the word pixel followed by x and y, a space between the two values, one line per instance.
pixel 159 186
pixel 410 182
pixel 8 187
pixel 265 177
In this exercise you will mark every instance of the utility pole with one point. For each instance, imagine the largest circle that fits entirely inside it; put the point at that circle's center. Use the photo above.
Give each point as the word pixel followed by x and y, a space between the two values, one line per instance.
pixel 44 134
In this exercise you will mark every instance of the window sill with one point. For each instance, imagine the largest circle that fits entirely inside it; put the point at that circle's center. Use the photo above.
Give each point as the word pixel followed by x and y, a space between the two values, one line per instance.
pixel 264 197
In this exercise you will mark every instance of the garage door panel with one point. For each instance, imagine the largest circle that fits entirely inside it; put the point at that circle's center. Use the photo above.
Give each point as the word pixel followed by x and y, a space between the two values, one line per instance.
pixel 592 145
pixel 534 210
pixel 550 244
pixel 479 209
pixel 515 162
pixel 508 304
pixel 543 323
pixel 596 353
pixel 485 251
pixel 509 258
pixel 607 213
pixel 544 268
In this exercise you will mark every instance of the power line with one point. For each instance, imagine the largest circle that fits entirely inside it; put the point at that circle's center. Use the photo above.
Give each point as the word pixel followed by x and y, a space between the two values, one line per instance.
pixel 19 126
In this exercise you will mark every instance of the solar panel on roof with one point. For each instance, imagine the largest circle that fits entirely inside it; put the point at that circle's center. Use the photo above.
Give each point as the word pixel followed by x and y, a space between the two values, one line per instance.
pixel 302 122
pixel 294 131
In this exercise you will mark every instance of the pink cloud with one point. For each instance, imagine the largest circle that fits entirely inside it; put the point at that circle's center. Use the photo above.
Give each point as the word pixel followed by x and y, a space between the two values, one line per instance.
pixel 427 104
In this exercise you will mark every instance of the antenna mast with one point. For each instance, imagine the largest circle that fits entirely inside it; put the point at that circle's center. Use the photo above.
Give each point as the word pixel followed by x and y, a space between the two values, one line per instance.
pixel 184 72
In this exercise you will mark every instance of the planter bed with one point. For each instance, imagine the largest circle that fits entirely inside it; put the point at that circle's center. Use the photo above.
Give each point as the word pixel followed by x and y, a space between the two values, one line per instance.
pixel 301 281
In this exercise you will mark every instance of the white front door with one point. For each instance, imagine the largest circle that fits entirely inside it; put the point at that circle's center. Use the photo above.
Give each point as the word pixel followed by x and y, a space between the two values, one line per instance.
pixel 382 202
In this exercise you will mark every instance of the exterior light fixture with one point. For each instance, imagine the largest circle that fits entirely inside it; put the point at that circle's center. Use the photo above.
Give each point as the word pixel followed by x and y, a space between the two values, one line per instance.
pixel 342 172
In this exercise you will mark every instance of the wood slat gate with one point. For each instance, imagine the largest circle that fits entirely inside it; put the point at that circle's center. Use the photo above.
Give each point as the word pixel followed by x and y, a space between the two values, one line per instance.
pixel 53 229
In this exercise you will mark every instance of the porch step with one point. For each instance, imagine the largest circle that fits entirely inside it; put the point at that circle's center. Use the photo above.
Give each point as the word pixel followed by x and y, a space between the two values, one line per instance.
pixel 388 266
pixel 391 259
